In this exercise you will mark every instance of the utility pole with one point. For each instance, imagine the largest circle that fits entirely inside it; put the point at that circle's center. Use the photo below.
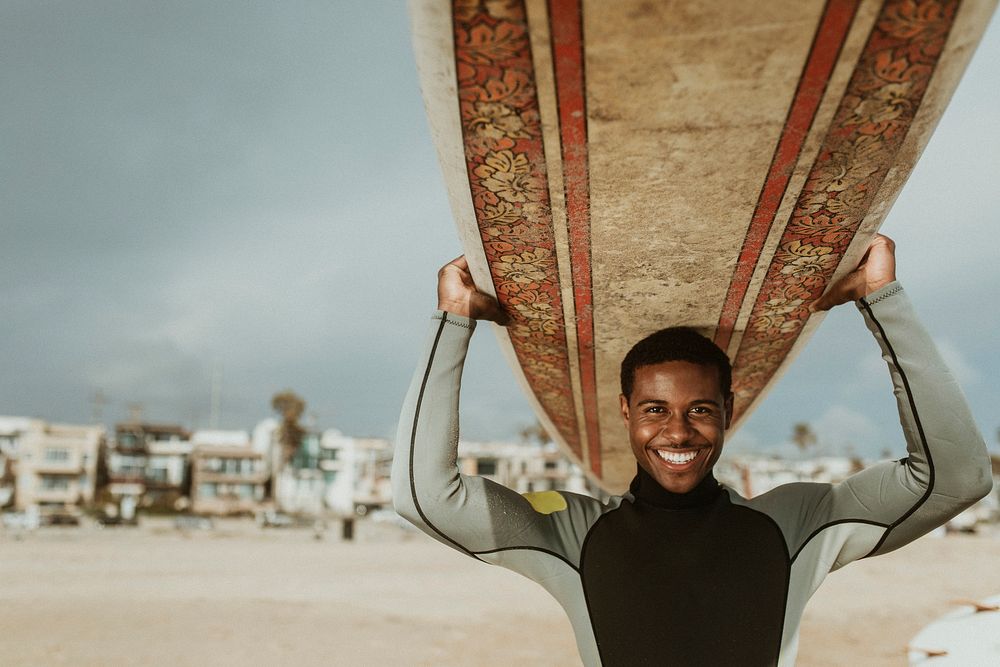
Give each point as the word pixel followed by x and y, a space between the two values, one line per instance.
pixel 216 407
pixel 98 400
pixel 135 412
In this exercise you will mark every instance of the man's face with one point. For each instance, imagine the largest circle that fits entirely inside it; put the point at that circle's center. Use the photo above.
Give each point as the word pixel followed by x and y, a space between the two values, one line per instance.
pixel 676 420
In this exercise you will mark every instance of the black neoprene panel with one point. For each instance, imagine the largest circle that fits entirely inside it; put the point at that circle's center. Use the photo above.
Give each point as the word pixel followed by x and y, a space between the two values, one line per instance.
pixel 659 580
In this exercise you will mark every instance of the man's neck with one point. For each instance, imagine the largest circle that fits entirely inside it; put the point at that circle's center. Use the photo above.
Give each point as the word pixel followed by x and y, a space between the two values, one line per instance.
pixel 648 490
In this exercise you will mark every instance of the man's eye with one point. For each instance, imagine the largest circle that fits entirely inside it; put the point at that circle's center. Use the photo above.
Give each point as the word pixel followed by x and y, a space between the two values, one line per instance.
pixel 701 410
pixel 656 409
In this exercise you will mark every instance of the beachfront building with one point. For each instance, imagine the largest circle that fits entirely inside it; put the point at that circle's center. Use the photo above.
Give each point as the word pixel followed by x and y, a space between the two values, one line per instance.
pixel 129 455
pixel 227 475
pixel 523 466
pixel 329 472
pixel 356 472
pixel 298 484
pixel 12 432
pixel 57 466
pixel 167 479
pixel 752 475
pixel 295 485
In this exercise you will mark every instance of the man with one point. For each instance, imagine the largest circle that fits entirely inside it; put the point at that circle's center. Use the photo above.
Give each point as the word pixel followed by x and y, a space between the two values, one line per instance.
pixel 681 570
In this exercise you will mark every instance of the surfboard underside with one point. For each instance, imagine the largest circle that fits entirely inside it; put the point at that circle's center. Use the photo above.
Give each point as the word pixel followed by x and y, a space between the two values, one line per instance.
pixel 619 167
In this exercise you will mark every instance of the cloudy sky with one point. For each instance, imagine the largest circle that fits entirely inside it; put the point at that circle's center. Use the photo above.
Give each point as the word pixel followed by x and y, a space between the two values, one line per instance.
pixel 249 190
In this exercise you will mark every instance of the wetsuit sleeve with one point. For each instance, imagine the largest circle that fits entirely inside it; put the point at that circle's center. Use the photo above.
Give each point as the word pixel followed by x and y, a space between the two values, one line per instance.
pixel 469 513
pixel 947 467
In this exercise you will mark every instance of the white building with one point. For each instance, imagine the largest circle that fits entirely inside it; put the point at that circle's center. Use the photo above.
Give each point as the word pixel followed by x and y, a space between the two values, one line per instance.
pixel 752 475
pixel 12 431
pixel 220 438
pixel 57 466
pixel 128 461
pixel 522 466
pixel 356 472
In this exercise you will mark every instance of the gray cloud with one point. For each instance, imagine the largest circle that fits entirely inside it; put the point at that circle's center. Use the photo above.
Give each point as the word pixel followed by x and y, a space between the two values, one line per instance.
pixel 192 185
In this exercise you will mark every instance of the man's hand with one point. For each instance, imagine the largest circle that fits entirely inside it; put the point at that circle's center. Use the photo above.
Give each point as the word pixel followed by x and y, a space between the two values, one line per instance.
pixel 458 294
pixel 876 270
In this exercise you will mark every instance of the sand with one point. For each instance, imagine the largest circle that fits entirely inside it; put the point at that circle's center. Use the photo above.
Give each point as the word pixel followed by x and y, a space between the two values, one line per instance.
pixel 238 595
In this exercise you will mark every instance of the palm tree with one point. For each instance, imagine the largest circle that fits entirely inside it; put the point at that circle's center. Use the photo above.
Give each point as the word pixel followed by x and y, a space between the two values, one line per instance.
pixel 803 436
pixel 290 406
pixel 535 433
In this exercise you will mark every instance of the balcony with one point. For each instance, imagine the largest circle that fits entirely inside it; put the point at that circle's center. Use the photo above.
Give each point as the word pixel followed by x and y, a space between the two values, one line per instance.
pixel 57 467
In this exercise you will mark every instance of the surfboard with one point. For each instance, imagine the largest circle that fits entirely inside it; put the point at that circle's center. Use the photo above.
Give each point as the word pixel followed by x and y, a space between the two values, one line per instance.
pixel 964 637
pixel 614 168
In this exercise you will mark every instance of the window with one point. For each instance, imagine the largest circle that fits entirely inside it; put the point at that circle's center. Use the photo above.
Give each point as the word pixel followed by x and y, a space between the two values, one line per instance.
pixel 486 466
pixel 206 490
pixel 56 454
pixel 55 483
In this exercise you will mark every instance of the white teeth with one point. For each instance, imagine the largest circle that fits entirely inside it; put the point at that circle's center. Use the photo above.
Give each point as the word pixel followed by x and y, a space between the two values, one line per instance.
pixel 676 457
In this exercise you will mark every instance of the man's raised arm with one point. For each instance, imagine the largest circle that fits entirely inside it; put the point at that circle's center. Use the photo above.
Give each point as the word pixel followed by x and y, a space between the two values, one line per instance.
pixel 947 467
pixel 470 514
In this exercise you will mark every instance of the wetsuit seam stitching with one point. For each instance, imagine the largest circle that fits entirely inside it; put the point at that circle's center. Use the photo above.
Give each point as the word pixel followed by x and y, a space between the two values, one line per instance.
pixel 529 548
pixel 831 524
pixel 413 441
pixel 882 297
pixel 920 432
pixel 443 317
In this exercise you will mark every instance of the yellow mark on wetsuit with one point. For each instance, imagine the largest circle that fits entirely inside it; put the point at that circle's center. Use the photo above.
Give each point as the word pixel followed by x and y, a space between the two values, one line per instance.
pixel 546 502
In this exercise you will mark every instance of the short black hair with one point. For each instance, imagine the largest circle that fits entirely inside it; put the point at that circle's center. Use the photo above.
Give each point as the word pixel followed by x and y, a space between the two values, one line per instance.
pixel 675 344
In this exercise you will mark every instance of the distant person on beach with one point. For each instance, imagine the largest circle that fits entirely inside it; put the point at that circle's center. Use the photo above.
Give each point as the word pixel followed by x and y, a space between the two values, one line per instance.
pixel 680 569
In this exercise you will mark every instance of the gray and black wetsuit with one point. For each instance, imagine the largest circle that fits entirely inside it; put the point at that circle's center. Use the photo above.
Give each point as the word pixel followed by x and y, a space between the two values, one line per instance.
pixel 731 574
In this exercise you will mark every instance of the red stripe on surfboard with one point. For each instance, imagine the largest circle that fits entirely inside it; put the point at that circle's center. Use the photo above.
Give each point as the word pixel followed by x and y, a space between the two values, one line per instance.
pixel 495 82
pixel 566 30
pixel 830 35
pixel 861 146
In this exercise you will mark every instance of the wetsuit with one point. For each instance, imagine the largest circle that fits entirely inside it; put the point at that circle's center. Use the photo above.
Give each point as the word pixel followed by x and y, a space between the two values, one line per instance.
pixel 707 577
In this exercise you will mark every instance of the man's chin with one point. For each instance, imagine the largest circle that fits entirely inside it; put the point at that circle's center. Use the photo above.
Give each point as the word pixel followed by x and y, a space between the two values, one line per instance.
pixel 680 485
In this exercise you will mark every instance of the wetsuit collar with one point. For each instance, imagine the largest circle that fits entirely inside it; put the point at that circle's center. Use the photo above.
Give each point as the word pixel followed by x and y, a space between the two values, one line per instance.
pixel 646 489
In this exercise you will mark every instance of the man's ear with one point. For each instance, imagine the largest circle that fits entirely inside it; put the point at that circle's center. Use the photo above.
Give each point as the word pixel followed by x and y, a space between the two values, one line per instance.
pixel 729 410
pixel 624 405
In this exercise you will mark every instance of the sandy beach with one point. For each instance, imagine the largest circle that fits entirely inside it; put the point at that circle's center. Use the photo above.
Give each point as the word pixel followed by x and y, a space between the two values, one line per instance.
pixel 238 595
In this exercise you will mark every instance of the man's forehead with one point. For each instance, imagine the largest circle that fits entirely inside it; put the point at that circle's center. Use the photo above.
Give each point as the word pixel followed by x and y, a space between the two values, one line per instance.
pixel 679 377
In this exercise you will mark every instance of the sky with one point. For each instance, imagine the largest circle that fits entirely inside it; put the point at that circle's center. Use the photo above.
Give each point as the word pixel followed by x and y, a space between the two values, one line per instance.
pixel 248 191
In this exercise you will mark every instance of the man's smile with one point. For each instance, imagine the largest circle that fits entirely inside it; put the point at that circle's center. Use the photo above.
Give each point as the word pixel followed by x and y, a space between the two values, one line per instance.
pixel 678 460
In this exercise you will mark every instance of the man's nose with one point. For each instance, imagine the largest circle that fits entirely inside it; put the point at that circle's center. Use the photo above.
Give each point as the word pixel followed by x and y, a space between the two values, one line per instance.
pixel 677 430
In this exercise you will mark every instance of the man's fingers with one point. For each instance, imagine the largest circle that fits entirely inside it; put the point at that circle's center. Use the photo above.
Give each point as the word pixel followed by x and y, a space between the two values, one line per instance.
pixel 882 238
pixel 488 308
pixel 822 303
pixel 840 292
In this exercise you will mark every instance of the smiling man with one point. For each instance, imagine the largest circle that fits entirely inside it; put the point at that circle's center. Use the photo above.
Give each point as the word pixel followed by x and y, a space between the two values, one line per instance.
pixel 670 373
pixel 681 570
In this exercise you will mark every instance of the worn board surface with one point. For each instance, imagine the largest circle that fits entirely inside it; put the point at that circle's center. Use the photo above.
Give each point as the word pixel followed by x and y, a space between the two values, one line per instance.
pixel 618 167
